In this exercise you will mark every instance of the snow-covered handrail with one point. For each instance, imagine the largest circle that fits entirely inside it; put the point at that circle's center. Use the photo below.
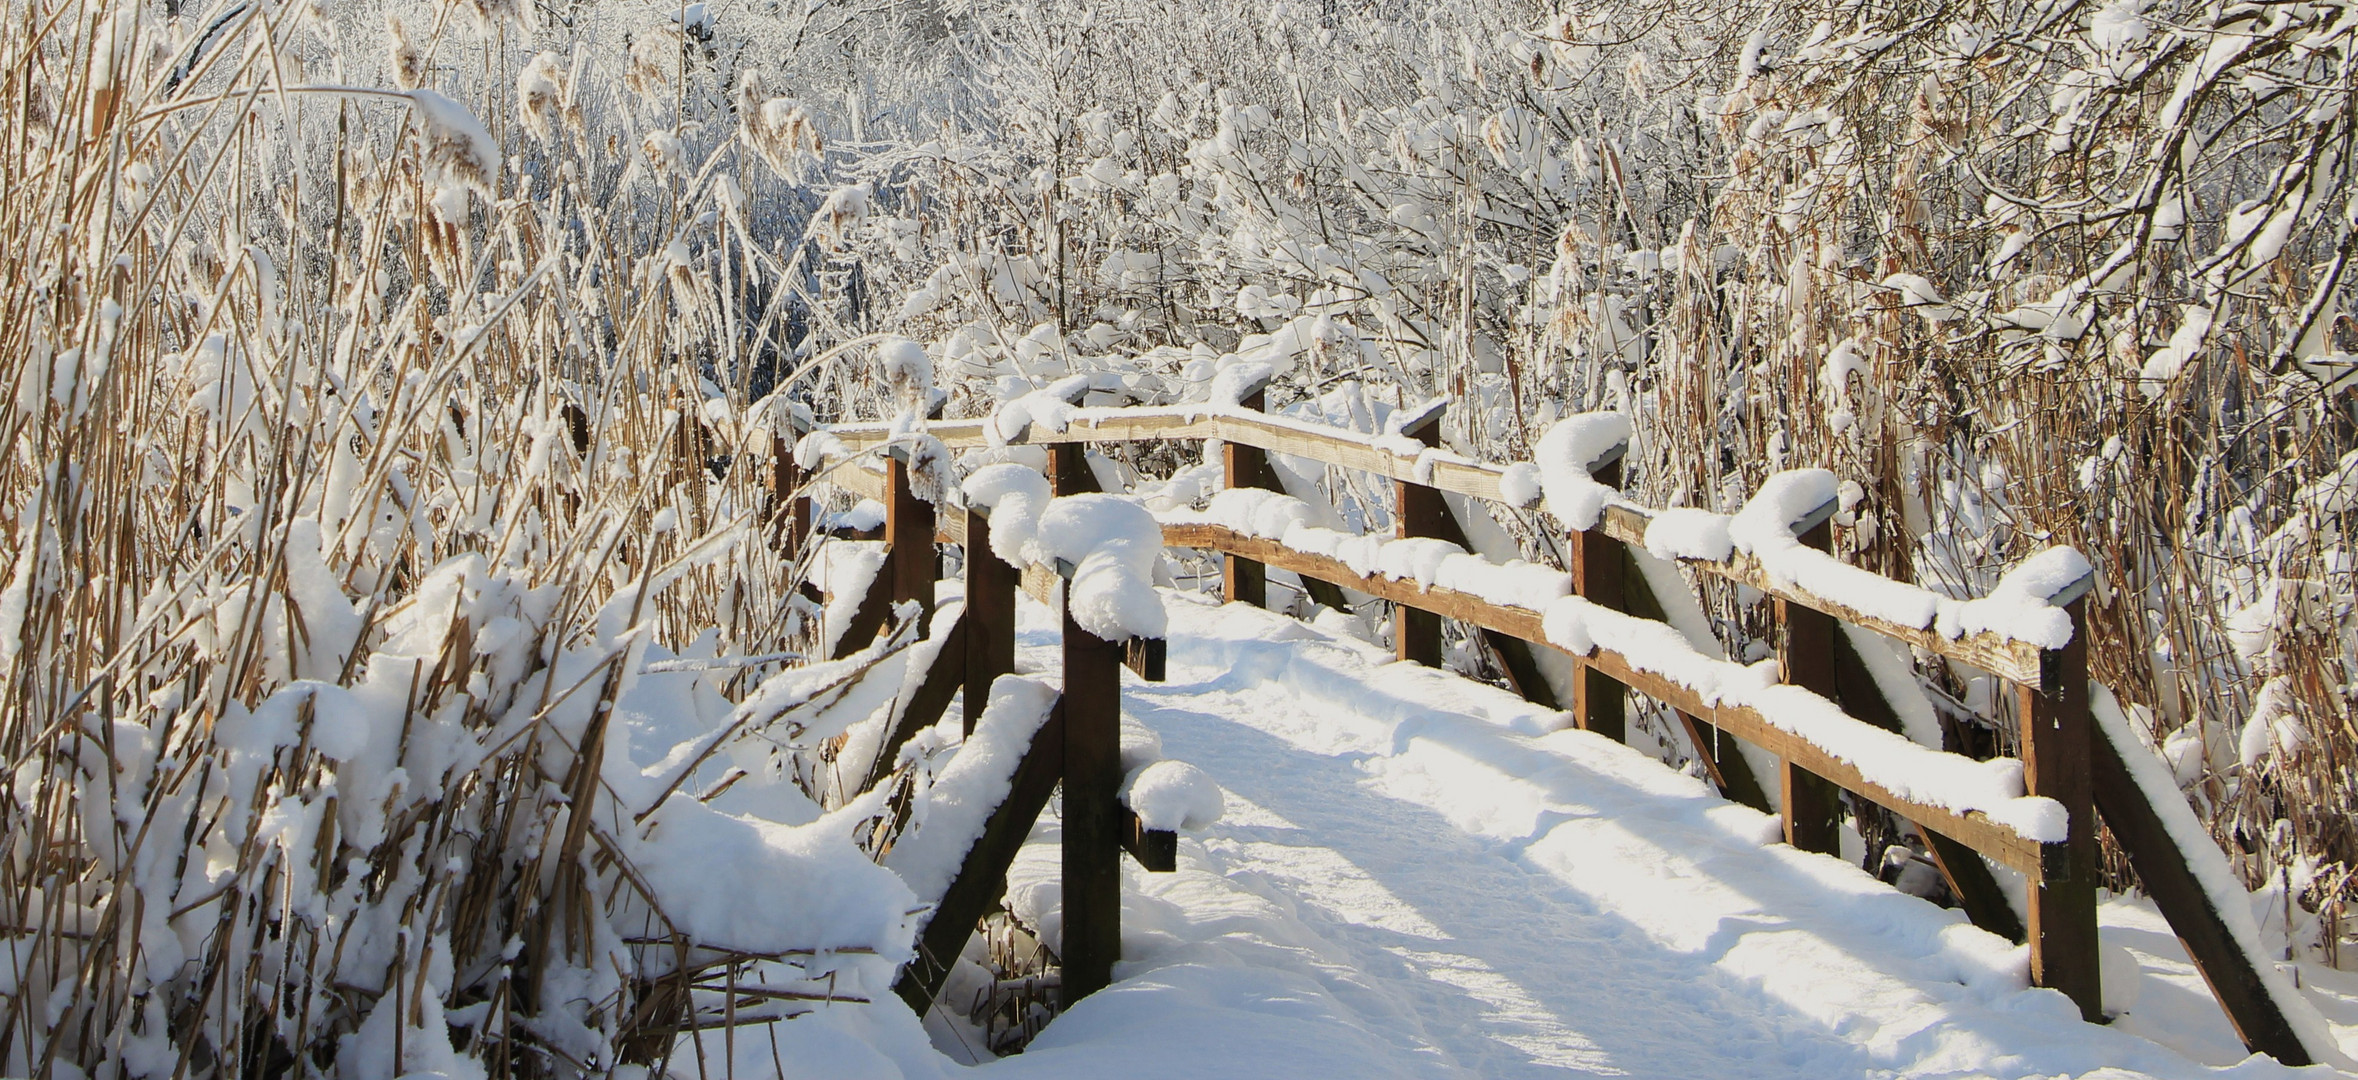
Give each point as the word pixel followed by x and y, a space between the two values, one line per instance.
pixel 1995 649
pixel 1974 802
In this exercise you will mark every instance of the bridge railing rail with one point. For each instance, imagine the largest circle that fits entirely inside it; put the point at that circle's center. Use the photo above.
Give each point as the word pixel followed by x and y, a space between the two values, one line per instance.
pixel 1826 722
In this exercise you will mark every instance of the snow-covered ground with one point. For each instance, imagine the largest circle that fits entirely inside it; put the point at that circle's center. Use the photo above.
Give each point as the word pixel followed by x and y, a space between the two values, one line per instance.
pixel 1419 876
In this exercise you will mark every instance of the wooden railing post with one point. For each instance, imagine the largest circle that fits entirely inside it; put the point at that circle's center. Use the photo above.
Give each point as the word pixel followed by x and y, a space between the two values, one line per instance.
pixel 911 560
pixel 789 513
pixel 1416 634
pixel 789 504
pixel 1092 814
pixel 1597 564
pixel 2056 763
pixel 990 616
pixel 1812 806
pixel 1068 470
pixel 1243 581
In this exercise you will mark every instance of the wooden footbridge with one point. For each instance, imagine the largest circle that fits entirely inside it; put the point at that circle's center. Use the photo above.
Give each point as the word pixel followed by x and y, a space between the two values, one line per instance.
pixel 2066 755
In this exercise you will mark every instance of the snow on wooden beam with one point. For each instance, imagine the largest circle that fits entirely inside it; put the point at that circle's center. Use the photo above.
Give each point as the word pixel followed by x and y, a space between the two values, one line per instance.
pixel 2001 842
pixel 2016 661
pixel 981 879
pixel 1404 459
pixel 2237 977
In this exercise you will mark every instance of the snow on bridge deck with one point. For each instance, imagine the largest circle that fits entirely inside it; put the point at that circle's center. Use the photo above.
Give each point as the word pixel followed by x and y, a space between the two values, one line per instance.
pixel 1419 876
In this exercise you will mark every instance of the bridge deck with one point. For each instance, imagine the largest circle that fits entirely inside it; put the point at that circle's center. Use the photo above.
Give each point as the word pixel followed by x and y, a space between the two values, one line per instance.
pixel 1416 878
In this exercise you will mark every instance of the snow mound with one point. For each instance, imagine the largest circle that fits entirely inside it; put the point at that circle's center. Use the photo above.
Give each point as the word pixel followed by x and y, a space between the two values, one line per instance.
pixel 1687 533
pixel 1563 458
pixel 2022 607
pixel 1114 544
pixel 1173 795
pixel 760 887
pixel 1764 530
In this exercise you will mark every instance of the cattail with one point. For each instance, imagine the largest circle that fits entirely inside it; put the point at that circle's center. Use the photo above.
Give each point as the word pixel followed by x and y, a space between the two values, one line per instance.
pixel 460 154
pixel 665 153
pixel 782 132
pixel 652 58
pixel 108 65
pixel 749 96
pixel 489 15
pixel 843 211
pixel 409 65
pixel 908 371
pixel 540 94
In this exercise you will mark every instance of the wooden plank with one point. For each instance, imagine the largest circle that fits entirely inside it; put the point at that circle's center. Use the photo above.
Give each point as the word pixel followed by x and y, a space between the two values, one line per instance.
pixel 1975 887
pixel 2170 880
pixel 911 562
pixel 1995 653
pixel 1972 828
pixel 1296 438
pixel 926 704
pixel 1041 584
pixel 1596 563
pixel 2056 752
pixel 989 618
pixel 856 478
pixel 1092 825
pixel 982 876
pixel 1157 850
pixel 1812 807
pixel 869 618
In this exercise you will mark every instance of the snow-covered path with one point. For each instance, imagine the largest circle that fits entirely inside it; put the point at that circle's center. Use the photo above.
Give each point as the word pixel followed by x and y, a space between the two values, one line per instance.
pixel 1418 876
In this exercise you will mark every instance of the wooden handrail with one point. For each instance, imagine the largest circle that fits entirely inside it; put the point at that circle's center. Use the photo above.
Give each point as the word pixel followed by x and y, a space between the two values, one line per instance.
pixel 2005 657
pixel 1404 459
pixel 2000 842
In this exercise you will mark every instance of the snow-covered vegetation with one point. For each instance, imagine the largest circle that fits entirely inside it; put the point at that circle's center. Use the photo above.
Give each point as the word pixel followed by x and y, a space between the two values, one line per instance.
pixel 404 659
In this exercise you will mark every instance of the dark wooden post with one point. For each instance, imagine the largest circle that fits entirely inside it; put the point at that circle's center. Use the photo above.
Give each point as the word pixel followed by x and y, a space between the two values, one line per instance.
pixel 1068 470
pixel 1598 564
pixel 2056 763
pixel 1420 511
pixel 1092 814
pixel 990 616
pixel 982 876
pixel 789 507
pixel 790 504
pixel 911 561
pixel 1812 806
pixel 1243 581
